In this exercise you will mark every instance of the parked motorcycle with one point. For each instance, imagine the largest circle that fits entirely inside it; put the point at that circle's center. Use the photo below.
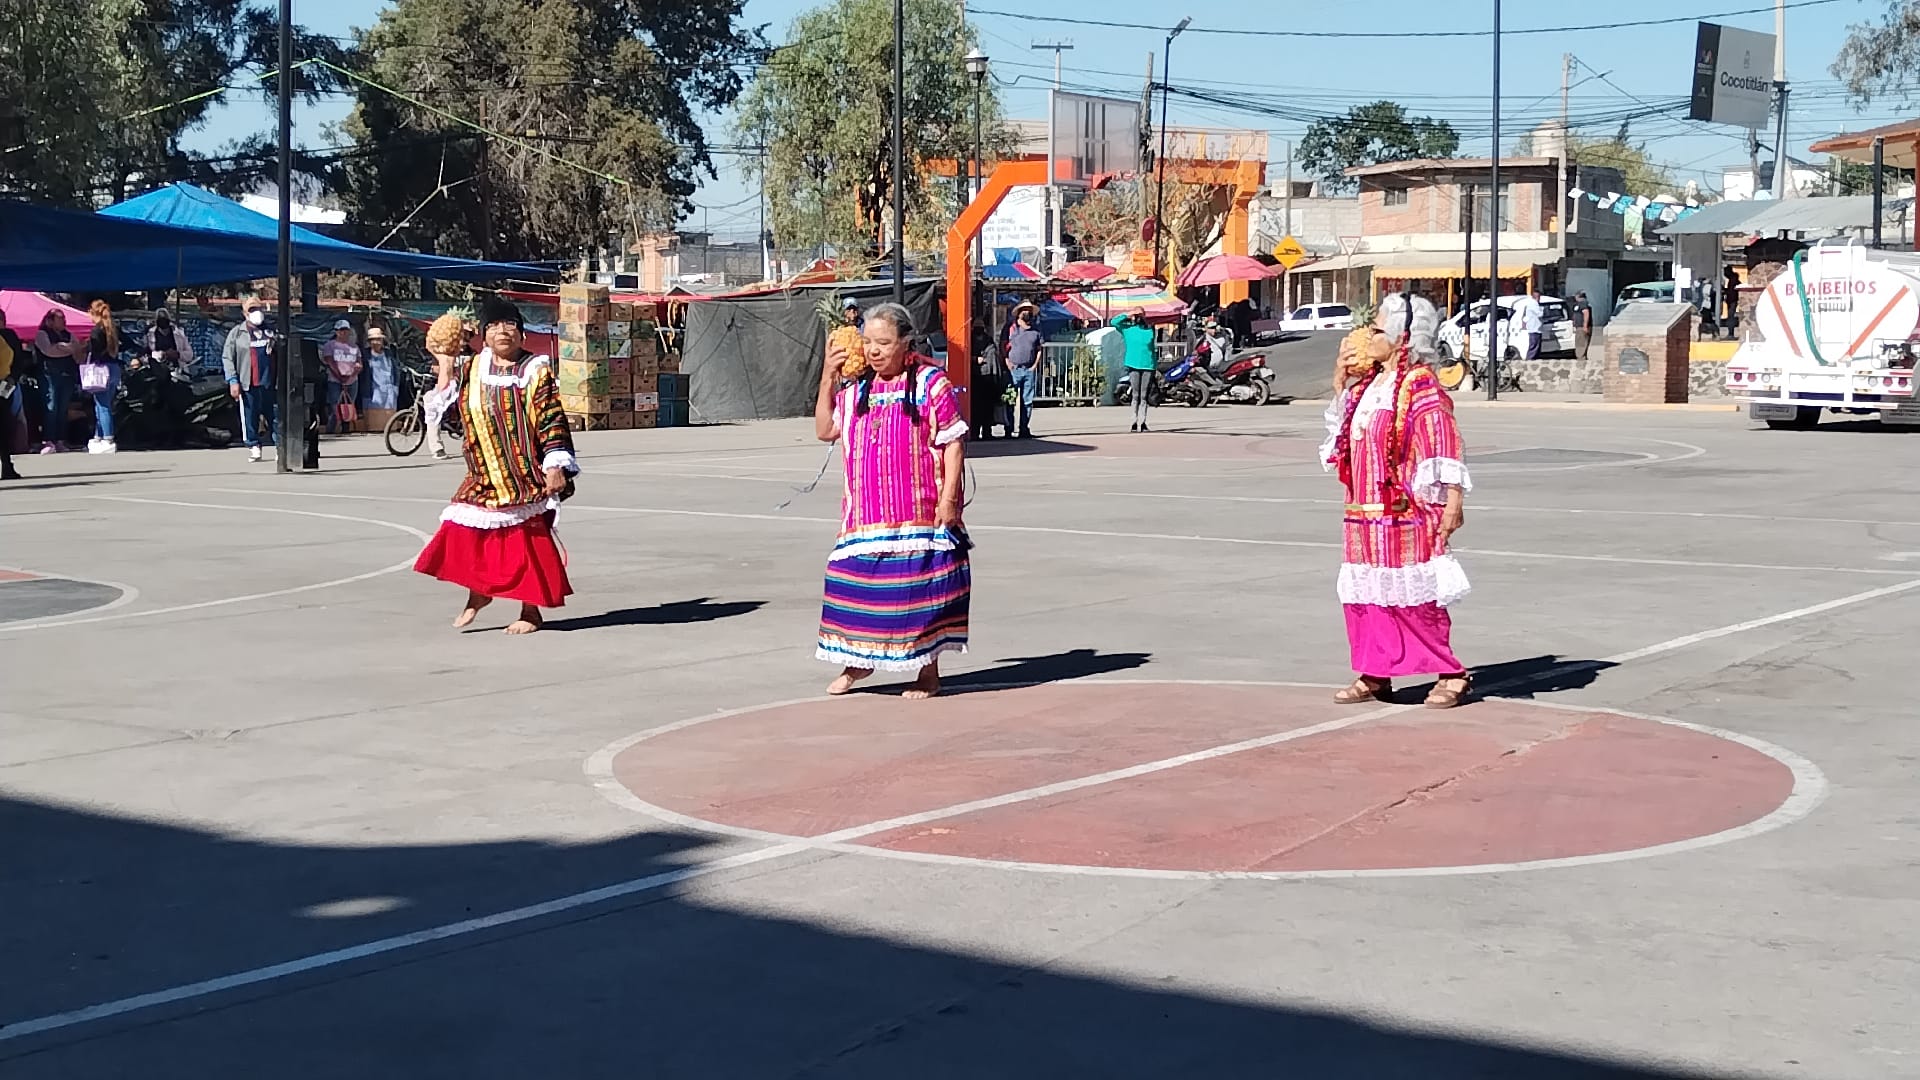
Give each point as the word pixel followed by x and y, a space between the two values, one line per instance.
pixel 1176 384
pixel 161 407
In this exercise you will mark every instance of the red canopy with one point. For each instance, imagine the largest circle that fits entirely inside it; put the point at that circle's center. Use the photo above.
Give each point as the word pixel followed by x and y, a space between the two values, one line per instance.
pixel 1222 268
pixel 1085 271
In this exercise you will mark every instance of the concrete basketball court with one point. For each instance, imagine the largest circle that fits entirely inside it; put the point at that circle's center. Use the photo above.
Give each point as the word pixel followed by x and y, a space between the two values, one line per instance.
pixel 265 814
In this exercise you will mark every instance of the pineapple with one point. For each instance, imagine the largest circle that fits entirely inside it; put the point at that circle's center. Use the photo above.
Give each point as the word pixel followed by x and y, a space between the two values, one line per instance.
pixel 451 333
pixel 848 337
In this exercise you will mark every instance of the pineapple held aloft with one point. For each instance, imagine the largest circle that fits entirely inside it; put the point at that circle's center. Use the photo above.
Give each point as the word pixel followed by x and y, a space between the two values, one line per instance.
pixel 850 339
pixel 451 333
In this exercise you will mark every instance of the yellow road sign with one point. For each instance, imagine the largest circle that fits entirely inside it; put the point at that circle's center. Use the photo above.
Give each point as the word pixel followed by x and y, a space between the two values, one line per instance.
pixel 1289 252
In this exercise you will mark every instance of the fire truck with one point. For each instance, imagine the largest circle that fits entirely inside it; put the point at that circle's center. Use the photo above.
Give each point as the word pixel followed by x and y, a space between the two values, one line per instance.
pixel 1839 329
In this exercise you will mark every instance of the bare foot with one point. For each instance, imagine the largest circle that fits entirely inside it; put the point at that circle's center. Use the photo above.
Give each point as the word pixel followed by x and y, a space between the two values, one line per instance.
pixel 529 621
pixel 472 611
pixel 849 678
pixel 926 686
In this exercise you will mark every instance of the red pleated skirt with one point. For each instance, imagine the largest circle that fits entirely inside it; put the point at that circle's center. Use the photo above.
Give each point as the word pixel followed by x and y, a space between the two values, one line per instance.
pixel 521 562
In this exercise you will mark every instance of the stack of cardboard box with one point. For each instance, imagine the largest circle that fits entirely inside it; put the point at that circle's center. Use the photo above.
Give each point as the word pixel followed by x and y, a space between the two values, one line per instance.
pixel 635 365
pixel 584 371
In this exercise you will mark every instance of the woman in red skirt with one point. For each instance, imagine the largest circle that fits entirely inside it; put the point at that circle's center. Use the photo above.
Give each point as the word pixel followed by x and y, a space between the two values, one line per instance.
pixel 496 538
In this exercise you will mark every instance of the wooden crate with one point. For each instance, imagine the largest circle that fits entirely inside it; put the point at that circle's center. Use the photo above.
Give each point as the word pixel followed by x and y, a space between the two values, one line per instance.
pixel 644 421
pixel 575 313
pixel 590 421
pixel 585 292
pixel 620 421
pixel 586 403
pixel 584 350
pixel 620 384
pixel 584 378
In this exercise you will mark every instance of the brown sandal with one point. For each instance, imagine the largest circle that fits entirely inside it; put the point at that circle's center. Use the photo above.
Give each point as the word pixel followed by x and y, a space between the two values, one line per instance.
pixel 1443 698
pixel 1364 690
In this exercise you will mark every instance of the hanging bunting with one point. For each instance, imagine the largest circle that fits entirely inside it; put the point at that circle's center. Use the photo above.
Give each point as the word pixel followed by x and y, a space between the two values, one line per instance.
pixel 1612 199
pixel 1574 193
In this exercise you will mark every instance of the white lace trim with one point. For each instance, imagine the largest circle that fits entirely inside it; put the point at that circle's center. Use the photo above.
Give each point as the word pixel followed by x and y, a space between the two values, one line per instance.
pixel 1336 411
pixel 1379 396
pixel 872 663
pixel 951 433
pixel 562 460
pixel 1439 580
pixel 893 545
pixel 1433 475
pixel 483 367
pixel 438 401
pixel 480 517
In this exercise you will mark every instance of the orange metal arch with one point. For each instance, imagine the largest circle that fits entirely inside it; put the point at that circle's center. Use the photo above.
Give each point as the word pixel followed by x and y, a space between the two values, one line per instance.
pixel 1005 177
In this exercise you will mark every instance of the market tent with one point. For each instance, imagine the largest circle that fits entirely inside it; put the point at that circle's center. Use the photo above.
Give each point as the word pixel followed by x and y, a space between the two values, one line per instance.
pixel 72 251
pixel 24 310
pixel 190 207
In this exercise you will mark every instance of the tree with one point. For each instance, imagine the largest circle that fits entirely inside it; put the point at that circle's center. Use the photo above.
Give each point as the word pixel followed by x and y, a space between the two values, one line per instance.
pixel 96 95
pixel 1881 59
pixel 823 107
pixel 1369 135
pixel 1114 216
pixel 597 103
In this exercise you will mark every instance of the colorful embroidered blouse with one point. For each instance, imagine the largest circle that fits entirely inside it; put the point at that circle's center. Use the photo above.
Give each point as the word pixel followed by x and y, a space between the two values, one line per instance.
pixel 1403 452
pixel 515 431
pixel 893 462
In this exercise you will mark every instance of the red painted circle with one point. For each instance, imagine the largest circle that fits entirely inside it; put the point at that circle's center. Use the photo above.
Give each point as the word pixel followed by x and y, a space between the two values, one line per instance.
pixel 1494 783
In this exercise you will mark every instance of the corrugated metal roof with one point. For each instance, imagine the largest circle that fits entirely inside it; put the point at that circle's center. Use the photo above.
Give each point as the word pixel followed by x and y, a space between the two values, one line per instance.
pixel 1766 217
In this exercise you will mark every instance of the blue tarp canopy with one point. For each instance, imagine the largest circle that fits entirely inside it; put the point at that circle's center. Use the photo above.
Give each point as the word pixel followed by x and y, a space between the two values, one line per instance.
pixel 185 235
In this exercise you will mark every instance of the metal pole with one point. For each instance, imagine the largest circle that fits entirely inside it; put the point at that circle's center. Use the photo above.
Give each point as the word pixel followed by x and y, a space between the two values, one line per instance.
pixel 1160 168
pixel 291 446
pixel 1879 184
pixel 979 245
pixel 899 153
pixel 1493 226
pixel 1781 165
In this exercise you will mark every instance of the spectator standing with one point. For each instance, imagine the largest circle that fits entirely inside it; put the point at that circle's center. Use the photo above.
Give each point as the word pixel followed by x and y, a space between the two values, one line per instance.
pixel 989 386
pixel 382 376
pixel 248 361
pixel 167 342
pixel 1528 312
pixel 59 378
pixel 342 359
pixel 1582 325
pixel 1023 355
pixel 13 360
pixel 1137 340
pixel 100 375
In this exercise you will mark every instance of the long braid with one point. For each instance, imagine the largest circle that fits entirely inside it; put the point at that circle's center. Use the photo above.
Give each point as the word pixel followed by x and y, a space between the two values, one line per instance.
pixel 1392 472
pixel 907 402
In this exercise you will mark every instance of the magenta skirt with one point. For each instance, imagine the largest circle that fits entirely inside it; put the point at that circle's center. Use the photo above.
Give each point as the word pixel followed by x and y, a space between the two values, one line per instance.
pixel 1388 642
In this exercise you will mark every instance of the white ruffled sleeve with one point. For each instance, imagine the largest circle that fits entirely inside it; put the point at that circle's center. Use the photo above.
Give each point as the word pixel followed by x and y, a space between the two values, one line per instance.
pixel 562 460
pixel 1433 475
pixel 1336 412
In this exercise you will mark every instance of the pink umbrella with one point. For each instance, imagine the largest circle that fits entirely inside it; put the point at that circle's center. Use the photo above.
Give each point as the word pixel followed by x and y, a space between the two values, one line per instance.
pixel 1085 271
pixel 24 310
pixel 1220 268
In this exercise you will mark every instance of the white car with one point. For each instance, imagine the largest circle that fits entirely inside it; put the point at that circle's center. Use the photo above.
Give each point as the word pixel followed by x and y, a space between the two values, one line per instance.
pixel 1556 329
pixel 1318 317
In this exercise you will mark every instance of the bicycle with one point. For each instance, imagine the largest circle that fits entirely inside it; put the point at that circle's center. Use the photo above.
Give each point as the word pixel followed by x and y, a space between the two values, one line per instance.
pixel 1470 372
pixel 407 430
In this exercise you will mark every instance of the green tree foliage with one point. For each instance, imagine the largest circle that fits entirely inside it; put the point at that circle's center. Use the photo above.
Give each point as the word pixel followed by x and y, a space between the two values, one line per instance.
pixel 1113 216
pixel 1370 135
pixel 1882 59
pixel 616 86
pixel 96 95
pixel 1641 174
pixel 823 110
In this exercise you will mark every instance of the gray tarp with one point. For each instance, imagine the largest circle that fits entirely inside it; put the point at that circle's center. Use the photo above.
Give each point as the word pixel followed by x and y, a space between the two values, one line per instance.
pixel 758 357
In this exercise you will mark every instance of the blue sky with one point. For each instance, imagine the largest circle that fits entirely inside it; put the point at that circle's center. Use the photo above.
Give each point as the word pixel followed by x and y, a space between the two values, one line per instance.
pixel 1439 76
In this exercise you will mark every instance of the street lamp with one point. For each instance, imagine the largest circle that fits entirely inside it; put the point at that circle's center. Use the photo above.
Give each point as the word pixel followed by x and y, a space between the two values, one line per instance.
pixel 977 69
pixel 1160 163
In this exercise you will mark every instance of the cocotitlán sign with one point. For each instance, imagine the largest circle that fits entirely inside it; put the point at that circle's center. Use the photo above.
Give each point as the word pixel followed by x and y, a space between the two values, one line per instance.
pixel 1732 76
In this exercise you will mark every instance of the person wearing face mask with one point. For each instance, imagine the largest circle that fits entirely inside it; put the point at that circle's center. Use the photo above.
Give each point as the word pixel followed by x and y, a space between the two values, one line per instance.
pixel 167 342
pixel 248 359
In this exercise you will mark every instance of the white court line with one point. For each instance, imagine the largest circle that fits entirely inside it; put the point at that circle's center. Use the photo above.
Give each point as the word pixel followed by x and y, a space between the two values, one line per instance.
pixel 128 594
pixel 252 977
pixel 1479 507
pixel 1803 801
pixel 176 608
pixel 1312 545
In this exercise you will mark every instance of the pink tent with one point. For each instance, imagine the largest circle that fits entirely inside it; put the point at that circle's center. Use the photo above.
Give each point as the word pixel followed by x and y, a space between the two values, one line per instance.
pixel 24 310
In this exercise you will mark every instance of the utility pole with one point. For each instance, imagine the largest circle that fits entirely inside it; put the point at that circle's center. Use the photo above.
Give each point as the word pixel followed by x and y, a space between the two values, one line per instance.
pixel 1781 164
pixel 1565 164
pixel 292 443
pixel 1058 47
pixel 1286 229
pixel 899 152
pixel 1493 212
pixel 1160 160
pixel 766 245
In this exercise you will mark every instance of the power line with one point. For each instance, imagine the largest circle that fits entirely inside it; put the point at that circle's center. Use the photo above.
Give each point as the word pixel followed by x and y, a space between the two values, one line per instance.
pixel 1233 32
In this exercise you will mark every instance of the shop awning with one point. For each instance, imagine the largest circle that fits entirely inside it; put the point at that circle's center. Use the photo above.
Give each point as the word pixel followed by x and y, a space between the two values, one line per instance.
pixel 1431 265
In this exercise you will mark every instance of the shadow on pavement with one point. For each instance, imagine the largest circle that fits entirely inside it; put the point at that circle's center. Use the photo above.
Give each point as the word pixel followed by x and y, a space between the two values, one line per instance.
pixel 1536 675
pixel 99 908
pixel 1037 446
pixel 1036 670
pixel 679 613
